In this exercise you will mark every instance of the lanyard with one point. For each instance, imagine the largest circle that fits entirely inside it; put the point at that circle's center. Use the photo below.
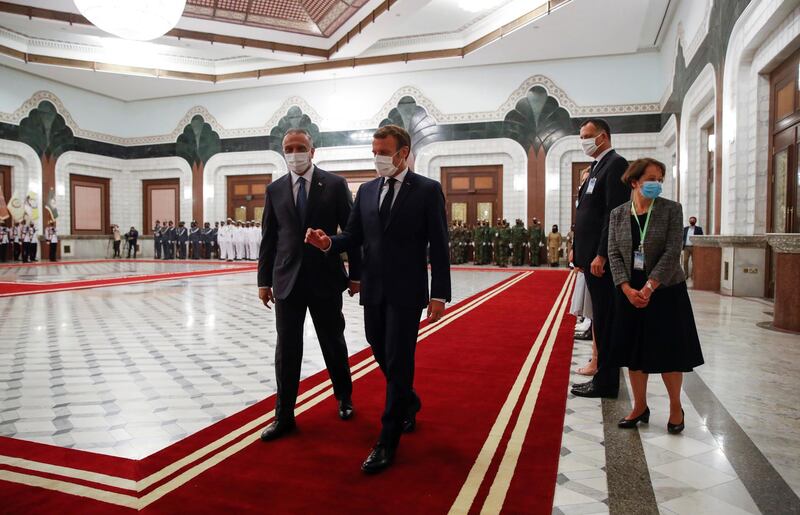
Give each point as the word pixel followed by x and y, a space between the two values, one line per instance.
pixel 642 232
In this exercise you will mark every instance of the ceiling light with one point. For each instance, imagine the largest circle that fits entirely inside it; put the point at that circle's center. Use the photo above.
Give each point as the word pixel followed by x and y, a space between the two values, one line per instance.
pixel 474 6
pixel 140 20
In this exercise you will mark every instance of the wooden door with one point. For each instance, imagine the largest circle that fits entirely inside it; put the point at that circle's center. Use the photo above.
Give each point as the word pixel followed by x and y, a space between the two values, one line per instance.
pixel 90 205
pixel 246 196
pixel 161 202
pixel 473 193
pixel 355 178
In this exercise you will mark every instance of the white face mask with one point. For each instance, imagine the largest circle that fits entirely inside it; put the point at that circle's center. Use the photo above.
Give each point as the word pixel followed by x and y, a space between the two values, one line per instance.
pixel 384 165
pixel 298 162
pixel 589 146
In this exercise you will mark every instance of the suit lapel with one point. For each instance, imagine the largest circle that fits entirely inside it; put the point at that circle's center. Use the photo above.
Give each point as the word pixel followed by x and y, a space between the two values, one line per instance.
pixel 288 196
pixel 405 188
pixel 315 194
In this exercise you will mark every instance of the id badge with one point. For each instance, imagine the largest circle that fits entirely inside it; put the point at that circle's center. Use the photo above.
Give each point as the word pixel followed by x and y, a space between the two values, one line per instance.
pixel 638 260
pixel 590 188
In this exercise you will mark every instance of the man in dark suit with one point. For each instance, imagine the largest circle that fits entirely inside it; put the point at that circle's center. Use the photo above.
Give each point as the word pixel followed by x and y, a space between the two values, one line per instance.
pixel 296 277
pixel 691 230
pixel 598 196
pixel 398 219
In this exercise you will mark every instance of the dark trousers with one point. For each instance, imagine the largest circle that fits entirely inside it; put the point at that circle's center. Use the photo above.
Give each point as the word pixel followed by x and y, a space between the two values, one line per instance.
pixel 169 250
pixel 116 248
pixel 3 252
pixel 392 333
pixel 290 315
pixel 602 290
pixel 53 249
pixel 157 248
pixel 28 252
pixel 17 251
pixel 181 250
pixel 195 250
pixel 132 247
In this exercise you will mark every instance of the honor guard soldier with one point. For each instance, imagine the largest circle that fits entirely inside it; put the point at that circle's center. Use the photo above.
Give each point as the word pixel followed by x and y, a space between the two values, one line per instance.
pixel 554 241
pixel 16 240
pixel 519 237
pixel 168 241
pixel 195 238
pixel 537 242
pixel 182 237
pixel 206 237
pixel 157 240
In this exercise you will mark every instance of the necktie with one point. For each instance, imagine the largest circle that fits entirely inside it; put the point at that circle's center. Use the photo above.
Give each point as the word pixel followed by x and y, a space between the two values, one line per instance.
pixel 386 206
pixel 301 200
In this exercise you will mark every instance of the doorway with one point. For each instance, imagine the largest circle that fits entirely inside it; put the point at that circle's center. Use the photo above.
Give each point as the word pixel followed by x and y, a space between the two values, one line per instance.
pixel 473 193
pixel 783 192
pixel 246 196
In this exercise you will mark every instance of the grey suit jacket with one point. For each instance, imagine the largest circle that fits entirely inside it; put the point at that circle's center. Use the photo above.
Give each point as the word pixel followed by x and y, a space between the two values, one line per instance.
pixel 662 243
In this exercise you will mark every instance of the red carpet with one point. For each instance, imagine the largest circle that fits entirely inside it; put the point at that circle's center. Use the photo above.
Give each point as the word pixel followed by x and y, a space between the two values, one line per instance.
pixel 494 366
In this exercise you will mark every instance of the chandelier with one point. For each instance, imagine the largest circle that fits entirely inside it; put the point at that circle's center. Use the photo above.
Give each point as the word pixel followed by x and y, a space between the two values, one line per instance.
pixel 140 20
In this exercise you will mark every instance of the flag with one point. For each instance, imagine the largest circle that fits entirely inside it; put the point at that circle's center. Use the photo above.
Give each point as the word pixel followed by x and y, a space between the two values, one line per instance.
pixel 51 204
pixel 3 209
pixel 15 208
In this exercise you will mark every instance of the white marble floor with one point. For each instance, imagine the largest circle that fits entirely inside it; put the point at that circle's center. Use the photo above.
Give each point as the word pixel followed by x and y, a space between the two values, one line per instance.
pixel 751 370
pixel 127 370
pixel 80 271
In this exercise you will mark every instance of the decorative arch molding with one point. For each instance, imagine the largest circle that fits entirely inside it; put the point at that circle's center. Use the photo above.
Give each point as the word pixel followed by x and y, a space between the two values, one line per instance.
pixel 565 151
pixel 421 99
pixel 499 151
pixel 688 48
pixel 215 186
pixel 699 108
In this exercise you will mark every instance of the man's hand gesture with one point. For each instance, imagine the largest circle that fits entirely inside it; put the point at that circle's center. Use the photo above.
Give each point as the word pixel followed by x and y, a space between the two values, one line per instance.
pixel 318 238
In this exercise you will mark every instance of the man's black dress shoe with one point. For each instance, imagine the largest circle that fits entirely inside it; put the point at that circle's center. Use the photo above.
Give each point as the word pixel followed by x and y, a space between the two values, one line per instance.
pixel 630 423
pixel 594 392
pixel 582 386
pixel 380 458
pixel 410 423
pixel 345 409
pixel 277 429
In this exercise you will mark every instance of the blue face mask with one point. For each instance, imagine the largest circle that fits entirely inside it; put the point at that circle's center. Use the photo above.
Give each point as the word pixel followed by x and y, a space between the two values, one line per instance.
pixel 651 189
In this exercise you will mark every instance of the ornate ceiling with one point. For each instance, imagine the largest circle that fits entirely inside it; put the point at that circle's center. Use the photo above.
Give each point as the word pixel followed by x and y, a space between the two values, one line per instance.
pixel 312 17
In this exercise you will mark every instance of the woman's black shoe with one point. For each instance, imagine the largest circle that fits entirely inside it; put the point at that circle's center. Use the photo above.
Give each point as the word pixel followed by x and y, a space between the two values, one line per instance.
pixel 644 418
pixel 674 429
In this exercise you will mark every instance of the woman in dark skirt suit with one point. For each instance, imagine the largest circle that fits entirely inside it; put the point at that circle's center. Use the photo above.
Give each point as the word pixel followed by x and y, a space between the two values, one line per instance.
pixel 653 330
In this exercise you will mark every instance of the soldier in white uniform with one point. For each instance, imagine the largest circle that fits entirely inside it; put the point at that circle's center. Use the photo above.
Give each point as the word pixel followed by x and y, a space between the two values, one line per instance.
pixel 16 240
pixel 238 241
pixel 225 238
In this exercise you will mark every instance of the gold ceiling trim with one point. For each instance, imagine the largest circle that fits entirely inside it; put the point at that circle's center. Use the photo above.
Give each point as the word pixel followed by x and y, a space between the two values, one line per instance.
pixel 329 64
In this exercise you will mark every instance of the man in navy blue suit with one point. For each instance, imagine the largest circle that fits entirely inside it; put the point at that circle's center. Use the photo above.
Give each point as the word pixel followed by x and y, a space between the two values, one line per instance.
pixel 399 220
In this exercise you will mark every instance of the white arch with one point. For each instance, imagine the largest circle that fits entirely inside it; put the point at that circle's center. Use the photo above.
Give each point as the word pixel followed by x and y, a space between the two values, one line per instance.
pixel 759 38
pixel 499 151
pixel 215 186
pixel 698 109
pixel 125 180
pixel 567 150
pixel 26 172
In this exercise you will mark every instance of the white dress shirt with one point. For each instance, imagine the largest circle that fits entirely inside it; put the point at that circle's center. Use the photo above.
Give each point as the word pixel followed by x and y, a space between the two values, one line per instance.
pixel 601 156
pixel 400 177
pixel 689 234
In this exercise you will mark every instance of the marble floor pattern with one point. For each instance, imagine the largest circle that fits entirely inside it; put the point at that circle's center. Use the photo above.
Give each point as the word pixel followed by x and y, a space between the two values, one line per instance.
pixel 751 370
pixel 128 370
pixel 81 271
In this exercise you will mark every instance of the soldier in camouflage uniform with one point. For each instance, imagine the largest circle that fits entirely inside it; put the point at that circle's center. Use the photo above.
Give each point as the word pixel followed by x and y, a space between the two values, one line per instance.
pixel 537 242
pixel 519 236
pixel 451 237
pixel 460 243
pixel 502 242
